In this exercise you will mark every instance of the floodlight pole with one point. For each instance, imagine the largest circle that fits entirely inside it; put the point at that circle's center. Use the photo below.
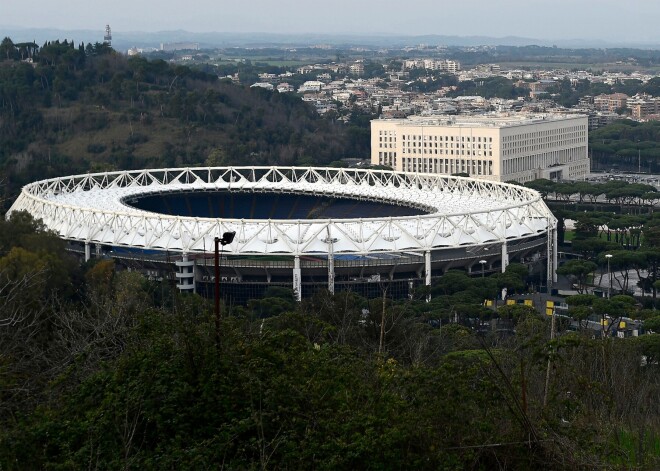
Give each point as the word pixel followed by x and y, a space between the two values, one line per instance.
pixel 217 289
pixel 227 238
pixel 609 275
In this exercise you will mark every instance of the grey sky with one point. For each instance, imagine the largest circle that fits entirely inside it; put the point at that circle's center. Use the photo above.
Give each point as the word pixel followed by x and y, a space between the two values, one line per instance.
pixel 613 20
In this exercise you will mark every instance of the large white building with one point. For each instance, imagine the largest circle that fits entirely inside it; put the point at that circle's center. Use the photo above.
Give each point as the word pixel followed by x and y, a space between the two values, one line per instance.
pixel 502 147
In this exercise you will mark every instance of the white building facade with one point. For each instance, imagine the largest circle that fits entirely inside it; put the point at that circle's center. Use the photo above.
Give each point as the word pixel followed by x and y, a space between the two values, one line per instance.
pixel 503 147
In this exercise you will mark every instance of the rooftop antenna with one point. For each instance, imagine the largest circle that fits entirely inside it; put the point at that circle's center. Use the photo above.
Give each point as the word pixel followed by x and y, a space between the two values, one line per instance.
pixel 107 39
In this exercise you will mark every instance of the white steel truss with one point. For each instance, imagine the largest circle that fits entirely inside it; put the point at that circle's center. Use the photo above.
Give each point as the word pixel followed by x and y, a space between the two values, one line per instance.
pixel 95 208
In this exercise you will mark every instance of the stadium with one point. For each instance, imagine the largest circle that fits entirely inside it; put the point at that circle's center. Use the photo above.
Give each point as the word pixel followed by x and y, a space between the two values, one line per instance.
pixel 304 228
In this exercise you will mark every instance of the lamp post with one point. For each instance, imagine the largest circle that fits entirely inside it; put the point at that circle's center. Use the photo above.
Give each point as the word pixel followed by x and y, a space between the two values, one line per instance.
pixel 609 275
pixel 227 238
pixel 483 267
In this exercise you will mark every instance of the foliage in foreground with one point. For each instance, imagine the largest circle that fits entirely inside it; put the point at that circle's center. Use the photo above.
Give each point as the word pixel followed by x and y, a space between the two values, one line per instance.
pixel 122 373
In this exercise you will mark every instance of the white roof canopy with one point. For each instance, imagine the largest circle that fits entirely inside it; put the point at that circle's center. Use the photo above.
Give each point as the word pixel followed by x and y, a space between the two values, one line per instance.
pixel 457 211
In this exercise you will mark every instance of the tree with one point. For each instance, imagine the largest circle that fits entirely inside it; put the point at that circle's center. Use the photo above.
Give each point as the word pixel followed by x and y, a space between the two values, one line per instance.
pixel 99 277
pixel 7 49
pixel 565 191
pixel 591 247
pixel 513 279
pixel 653 324
pixel 276 301
pixel 542 185
pixel 624 261
pixel 593 192
pixel 517 312
pixel 581 307
pixel 452 282
pixel 579 271
pixel 650 346
pixel 217 158
pixel 586 226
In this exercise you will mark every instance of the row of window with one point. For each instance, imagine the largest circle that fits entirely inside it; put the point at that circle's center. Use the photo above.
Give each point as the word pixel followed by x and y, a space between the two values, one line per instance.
pixel 484 153
pixel 545 133
pixel 554 137
pixel 446 145
pixel 387 158
pixel 529 149
pixel 545 160
pixel 415 137
pixel 550 141
pixel 448 166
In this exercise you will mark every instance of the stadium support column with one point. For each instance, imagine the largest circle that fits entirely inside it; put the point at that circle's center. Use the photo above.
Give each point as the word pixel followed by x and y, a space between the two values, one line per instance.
pixel 88 251
pixel 331 264
pixel 331 271
pixel 554 254
pixel 505 256
pixel 297 275
pixel 551 275
pixel 505 251
pixel 186 274
pixel 427 270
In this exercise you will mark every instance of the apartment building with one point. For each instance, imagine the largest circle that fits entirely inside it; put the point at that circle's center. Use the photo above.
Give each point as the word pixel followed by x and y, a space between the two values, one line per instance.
pixel 310 86
pixel 500 147
pixel 444 65
pixel 599 119
pixel 611 102
pixel 356 68
pixel 643 106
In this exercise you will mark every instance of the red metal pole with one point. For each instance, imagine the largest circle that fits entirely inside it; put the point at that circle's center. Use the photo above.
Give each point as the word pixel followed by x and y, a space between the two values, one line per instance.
pixel 217 290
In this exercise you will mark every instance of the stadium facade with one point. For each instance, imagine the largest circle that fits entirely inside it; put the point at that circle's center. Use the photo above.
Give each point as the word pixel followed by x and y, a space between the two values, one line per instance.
pixel 306 228
pixel 500 147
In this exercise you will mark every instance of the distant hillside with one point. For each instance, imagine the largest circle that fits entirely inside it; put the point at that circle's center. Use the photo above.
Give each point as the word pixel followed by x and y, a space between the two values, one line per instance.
pixel 87 108
pixel 123 40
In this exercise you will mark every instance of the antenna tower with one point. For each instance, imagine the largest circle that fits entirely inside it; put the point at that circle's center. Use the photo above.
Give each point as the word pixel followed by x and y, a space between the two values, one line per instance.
pixel 107 39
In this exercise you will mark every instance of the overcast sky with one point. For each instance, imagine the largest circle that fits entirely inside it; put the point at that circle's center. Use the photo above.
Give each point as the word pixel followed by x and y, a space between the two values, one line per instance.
pixel 613 20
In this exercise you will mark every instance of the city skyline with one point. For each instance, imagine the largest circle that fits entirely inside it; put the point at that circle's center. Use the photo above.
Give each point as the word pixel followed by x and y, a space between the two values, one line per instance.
pixel 603 20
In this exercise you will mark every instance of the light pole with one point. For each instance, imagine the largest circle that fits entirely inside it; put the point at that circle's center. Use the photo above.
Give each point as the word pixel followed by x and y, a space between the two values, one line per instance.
pixel 609 274
pixel 483 267
pixel 227 238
